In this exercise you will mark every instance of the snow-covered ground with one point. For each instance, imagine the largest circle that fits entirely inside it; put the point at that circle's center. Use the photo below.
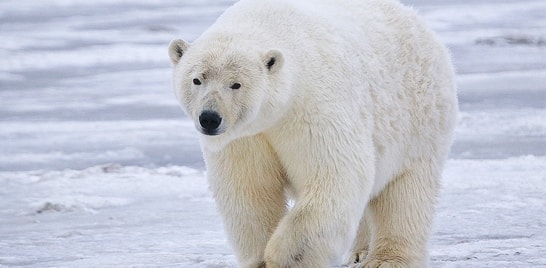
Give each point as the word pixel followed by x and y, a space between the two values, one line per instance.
pixel 100 168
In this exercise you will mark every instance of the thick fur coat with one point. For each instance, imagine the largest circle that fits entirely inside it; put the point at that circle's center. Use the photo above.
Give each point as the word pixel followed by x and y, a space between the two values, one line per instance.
pixel 348 107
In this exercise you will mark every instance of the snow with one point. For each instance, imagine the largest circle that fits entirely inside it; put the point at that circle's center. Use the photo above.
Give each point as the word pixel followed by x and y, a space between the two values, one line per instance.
pixel 100 168
pixel 491 214
pixel 110 215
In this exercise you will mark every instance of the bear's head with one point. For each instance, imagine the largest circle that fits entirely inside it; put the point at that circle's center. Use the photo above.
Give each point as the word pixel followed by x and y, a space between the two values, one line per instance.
pixel 229 90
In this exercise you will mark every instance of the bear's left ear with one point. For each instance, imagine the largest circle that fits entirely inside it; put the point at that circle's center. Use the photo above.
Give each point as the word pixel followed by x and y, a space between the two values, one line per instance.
pixel 273 60
pixel 177 48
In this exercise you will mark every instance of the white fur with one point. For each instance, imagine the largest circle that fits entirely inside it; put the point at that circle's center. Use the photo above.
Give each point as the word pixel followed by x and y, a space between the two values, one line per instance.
pixel 354 119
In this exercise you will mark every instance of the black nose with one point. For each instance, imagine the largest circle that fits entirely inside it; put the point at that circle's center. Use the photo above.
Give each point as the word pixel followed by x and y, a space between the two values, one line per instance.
pixel 210 121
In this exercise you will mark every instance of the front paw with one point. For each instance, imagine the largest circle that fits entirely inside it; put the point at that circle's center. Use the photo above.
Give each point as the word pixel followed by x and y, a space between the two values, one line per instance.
pixel 357 258
pixel 252 263
pixel 284 251
pixel 389 260
pixel 296 244
pixel 381 264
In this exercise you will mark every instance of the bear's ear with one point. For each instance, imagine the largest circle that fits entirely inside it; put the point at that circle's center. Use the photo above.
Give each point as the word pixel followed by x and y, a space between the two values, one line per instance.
pixel 273 60
pixel 177 48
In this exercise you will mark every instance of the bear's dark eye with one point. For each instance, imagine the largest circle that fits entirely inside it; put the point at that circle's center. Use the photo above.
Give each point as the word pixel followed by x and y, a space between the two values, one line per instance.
pixel 235 86
pixel 196 81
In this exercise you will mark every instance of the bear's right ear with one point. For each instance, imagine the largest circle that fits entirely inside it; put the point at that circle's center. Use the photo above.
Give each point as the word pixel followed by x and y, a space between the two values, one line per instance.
pixel 273 60
pixel 177 48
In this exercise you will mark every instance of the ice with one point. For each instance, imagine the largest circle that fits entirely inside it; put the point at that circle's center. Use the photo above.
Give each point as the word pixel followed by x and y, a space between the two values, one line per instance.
pixel 491 214
pixel 100 168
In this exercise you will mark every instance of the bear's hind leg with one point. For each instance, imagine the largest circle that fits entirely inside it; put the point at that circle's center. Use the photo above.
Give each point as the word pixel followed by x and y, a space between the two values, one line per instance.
pixel 401 218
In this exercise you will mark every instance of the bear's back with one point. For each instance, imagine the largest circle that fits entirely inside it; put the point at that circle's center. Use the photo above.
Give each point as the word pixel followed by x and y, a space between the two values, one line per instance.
pixel 321 23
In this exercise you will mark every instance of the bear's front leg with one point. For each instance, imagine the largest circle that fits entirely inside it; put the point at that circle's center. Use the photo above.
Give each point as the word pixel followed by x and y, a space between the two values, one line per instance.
pixel 248 185
pixel 331 172
pixel 322 224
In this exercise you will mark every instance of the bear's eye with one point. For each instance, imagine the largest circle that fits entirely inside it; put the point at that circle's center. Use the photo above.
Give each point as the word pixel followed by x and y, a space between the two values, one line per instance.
pixel 235 86
pixel 196 81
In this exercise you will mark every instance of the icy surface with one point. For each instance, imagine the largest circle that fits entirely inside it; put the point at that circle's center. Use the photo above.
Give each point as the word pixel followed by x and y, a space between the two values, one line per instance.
pixel 491 214
pixel 100 168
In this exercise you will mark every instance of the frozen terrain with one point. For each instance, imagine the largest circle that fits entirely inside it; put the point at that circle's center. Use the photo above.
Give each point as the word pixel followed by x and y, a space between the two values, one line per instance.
pixel 100 168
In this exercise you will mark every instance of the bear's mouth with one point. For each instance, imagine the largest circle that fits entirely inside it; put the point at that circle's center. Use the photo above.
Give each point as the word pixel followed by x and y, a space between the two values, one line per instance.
pixel 210 132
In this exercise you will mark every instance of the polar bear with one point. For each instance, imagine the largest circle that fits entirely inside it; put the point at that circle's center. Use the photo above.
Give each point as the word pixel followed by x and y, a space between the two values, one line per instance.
pixel 345 107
